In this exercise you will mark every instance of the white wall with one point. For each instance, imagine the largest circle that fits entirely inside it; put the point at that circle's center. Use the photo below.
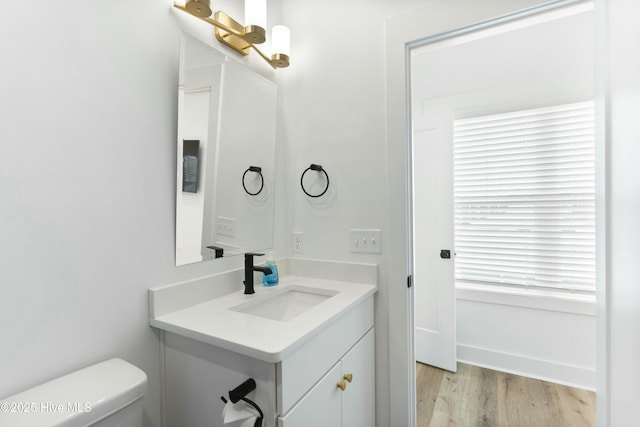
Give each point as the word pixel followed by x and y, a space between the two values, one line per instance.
pixel 88 97
pixel 335 116
pixel 334 99
pixel 551 344
pixel 620 340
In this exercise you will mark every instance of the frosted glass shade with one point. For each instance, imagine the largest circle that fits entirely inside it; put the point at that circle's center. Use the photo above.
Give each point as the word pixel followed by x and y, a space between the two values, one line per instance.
pixel 255 13
pixel 280 39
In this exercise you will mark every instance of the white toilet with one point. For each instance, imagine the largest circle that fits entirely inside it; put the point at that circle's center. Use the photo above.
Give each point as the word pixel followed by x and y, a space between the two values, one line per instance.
pixel 107 394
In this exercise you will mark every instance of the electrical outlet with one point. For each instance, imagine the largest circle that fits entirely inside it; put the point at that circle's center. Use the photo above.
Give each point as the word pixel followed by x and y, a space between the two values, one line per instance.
pixel 226 226
pixel 297 242
pixel 366 241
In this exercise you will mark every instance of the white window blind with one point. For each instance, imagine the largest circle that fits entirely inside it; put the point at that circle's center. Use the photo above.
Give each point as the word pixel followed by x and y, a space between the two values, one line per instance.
pixel 524 198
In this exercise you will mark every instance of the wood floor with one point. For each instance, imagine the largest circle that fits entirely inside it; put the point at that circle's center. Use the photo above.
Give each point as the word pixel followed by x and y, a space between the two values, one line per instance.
pixel 481 397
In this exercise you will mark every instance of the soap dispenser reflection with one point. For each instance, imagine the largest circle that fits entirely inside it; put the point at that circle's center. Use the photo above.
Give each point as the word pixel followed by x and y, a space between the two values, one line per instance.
pixel 271 279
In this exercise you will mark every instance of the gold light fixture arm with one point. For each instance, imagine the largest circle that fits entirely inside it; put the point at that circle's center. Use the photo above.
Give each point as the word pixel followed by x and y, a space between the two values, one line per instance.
pixel 210 21
pixel 234 39
pixel 239 38
pixel 265 57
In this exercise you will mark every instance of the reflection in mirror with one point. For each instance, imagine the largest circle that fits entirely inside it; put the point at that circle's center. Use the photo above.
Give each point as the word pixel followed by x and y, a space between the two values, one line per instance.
pixel 225 156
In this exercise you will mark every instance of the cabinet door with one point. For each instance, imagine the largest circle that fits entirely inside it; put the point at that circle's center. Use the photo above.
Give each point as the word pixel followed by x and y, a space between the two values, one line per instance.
pixel 359 397
pixel 320 407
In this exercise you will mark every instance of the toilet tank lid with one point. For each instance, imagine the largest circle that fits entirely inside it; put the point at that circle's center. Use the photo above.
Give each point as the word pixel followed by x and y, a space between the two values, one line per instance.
pixel 80 398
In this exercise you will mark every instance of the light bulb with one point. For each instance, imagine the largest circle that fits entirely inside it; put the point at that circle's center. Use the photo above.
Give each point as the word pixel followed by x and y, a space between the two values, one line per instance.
pixel 255 13
pixel 280 39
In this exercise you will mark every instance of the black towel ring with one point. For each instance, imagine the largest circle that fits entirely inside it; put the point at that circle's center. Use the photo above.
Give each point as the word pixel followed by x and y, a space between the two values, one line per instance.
pixel 257 170
pixel 318 168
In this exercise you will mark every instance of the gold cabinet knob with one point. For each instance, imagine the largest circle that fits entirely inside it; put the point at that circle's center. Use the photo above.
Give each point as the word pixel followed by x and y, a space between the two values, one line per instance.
pixel 342 385
pixel 348 377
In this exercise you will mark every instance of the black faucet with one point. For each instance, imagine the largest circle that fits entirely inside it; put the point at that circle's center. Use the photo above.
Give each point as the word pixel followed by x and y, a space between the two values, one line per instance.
pixel 249 268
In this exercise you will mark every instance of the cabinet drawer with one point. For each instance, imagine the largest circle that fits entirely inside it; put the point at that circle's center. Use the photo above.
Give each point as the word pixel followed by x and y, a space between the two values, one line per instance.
pixel 301 370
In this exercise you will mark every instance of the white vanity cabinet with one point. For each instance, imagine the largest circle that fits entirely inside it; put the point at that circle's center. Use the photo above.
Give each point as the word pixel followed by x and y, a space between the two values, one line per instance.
pixel 213 344
pixel 327 404
pixel 301 390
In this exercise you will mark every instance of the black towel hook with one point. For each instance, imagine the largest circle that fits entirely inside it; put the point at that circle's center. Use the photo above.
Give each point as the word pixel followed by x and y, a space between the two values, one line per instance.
pixel 258 170
pixel 317 168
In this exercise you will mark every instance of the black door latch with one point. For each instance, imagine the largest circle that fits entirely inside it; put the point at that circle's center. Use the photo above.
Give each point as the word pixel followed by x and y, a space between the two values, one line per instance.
pixel 445 253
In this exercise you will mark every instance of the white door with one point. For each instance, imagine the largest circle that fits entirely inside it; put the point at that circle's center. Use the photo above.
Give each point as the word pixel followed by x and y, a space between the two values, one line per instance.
pixel 434 290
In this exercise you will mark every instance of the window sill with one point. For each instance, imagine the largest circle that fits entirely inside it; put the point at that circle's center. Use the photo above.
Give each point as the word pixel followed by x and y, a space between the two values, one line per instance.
pixel 565 302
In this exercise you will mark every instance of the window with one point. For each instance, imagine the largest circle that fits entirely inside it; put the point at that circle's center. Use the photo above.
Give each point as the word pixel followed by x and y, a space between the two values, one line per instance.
pixel 524 199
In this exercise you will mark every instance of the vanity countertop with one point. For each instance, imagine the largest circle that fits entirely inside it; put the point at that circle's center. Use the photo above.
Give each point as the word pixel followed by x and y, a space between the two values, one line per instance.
pixel 214 322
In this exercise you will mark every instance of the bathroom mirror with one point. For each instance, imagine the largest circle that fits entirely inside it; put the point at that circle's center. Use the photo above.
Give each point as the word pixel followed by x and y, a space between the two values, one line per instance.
pixel 225 156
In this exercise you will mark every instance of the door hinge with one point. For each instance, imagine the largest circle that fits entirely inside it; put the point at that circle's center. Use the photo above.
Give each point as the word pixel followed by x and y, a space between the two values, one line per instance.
pixel 409 281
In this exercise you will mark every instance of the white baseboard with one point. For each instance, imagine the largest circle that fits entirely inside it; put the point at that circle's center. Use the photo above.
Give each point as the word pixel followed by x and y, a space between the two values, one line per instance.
pixel 573 376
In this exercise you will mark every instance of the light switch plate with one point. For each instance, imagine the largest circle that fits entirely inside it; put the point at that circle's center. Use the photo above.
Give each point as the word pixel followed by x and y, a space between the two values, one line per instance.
pixel 366 241
pixel 226 226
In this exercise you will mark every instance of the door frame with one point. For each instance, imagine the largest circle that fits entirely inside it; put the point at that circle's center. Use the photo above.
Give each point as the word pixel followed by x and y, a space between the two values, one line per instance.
pixel 437 21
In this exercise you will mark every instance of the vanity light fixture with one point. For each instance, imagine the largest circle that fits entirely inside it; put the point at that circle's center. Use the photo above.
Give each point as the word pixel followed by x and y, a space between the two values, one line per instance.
pixel 242 38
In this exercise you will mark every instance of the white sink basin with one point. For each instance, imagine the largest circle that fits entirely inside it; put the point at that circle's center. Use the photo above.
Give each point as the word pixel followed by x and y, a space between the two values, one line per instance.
pixel 285 305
